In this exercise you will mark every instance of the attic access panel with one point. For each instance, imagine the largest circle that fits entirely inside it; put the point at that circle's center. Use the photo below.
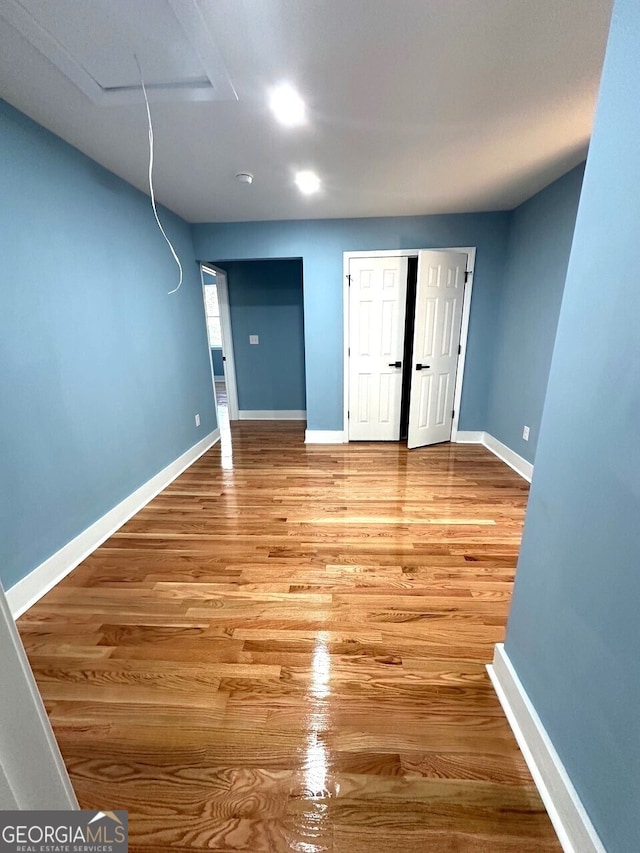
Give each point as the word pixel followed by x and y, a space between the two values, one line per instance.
pixel 93 43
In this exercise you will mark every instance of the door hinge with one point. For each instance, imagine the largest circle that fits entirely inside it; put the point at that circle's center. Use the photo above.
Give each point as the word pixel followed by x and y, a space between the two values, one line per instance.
pixel 348 350
pixel 459 349
pixel 467 273
pixel 348 414
pixel 453 413
pixel 349 280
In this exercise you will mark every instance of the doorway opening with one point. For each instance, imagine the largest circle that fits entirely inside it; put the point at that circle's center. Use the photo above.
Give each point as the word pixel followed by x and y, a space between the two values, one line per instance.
pixel 266 312
pixel 406 325
pixel 409 324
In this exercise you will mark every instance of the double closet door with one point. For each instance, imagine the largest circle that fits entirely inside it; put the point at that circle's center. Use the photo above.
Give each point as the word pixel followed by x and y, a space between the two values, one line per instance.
pixel 377 327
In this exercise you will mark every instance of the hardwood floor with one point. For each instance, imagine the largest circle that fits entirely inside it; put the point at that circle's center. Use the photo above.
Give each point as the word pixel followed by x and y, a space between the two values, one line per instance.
pixel 285 651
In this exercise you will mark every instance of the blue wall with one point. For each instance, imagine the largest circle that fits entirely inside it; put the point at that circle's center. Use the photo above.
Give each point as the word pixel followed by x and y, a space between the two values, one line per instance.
pixel 540 237
pixel 573 632
pixel 320 244
pixel 265 299
pixel 102 371
pixel 218 364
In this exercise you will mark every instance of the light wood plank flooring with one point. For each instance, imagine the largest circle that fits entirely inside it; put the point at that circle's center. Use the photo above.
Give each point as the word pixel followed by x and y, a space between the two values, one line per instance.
pixel 285 651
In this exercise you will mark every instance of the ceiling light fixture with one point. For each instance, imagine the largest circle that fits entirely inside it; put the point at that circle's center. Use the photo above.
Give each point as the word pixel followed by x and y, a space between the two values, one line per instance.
pixel 287 105
pixel 308 182
pixel 245 177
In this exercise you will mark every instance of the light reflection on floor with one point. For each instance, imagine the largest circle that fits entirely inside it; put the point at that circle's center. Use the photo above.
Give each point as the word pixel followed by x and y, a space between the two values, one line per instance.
pixel 222 409
pixel 313 822
pixel 316 758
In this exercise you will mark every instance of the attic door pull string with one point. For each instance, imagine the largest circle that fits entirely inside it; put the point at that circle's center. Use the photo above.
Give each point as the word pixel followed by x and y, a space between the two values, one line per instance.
pixel 153 198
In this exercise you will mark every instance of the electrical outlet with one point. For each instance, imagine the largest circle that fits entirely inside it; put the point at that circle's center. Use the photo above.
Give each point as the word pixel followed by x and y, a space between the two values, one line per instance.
pixel 254 339
pixel 197 420
pixel 525 433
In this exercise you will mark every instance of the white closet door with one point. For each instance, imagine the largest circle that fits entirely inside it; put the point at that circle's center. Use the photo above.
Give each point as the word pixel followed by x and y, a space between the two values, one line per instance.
pixel 439 298
pixel 377 302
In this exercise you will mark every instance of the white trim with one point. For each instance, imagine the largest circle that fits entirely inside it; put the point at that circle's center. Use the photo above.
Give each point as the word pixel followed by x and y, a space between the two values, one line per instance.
pixel 27 591
pixel 325 436
pixel 206 322
pixel 509 456
pixel 272 415
pixel 389 253
pixel 469 437
pixel 570 820
pixel 470 252
pixel 229 364
pixel 504 453
pixel 346 258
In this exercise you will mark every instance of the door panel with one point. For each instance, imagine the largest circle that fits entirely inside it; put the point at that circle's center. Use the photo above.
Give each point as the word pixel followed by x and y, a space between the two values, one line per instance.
pixel 377 296
pixel 439 298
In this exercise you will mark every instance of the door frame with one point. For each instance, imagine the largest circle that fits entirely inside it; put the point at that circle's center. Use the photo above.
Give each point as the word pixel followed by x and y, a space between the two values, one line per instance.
pixel 227 339
pixel 32 772
pixel 470 252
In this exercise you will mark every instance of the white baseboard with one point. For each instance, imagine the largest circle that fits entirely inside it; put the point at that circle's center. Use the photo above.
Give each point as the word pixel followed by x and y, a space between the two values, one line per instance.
pixel 27 591
pixel 506 454
pixel 569 817
pixel 468 437
pixel 272 415
pixel 512 459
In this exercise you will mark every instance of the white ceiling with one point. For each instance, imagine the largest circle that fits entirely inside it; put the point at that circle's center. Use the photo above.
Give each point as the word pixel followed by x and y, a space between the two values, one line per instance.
pixel 415 106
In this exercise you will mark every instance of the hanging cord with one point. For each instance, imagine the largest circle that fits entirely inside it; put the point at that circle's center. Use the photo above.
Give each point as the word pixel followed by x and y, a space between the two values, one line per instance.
pixel 153 198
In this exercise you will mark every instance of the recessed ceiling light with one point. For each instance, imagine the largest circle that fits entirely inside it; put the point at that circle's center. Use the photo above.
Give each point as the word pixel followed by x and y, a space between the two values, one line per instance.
pixel 287 105
pixel 308 182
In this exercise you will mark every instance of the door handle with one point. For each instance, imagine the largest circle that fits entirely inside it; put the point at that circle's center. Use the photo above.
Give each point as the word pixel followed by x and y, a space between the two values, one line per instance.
pixel 423 366
pixel 395 364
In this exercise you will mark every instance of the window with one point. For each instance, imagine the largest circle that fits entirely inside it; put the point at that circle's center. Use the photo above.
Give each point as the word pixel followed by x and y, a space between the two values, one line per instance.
pixel 212 310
